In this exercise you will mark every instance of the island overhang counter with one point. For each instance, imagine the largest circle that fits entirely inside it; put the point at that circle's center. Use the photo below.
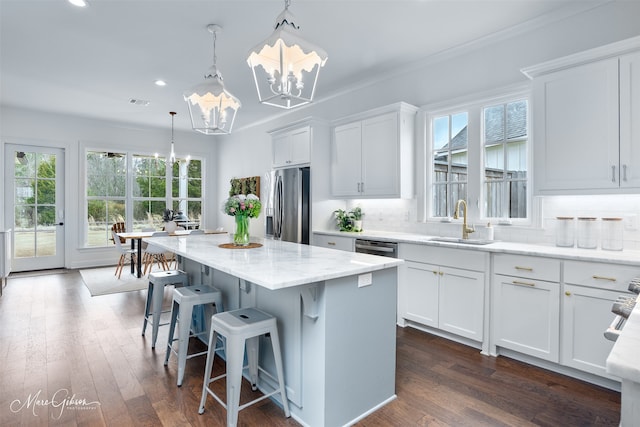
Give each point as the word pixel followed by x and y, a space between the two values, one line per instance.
pixel 336 316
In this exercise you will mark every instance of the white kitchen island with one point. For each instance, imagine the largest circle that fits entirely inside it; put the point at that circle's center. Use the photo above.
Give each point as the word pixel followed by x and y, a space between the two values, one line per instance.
pixel 336 316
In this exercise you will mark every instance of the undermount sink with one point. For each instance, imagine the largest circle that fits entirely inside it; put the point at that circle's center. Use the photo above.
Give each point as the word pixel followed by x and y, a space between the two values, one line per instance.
pixel 462 241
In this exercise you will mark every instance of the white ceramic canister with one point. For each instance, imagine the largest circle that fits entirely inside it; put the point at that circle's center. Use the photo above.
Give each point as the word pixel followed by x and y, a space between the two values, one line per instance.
pixel 565 231
pixel 612 234
pixel 587 232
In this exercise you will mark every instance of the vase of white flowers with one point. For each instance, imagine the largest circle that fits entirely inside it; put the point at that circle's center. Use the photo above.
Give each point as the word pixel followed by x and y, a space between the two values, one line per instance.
pixel 242 208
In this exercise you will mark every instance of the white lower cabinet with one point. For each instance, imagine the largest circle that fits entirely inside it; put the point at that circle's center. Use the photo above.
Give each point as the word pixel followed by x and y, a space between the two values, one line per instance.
pixel 526 310
pixel 589 292
pixel 442 296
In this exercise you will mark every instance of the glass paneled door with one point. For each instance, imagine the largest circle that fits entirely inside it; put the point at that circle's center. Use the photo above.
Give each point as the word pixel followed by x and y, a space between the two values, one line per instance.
pixel 35 206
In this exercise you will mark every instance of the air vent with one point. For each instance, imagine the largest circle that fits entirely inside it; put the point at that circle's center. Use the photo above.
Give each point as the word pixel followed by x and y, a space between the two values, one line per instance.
pixel 139 102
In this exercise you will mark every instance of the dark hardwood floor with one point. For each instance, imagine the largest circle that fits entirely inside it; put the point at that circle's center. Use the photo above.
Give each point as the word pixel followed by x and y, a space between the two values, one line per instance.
pixel 57 342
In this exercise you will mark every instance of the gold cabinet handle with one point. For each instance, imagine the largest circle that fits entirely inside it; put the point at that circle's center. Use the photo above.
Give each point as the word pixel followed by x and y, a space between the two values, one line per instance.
pixel 518 282
pixel 567 293
pixel 611 279
pixel 435 272
pixel 523 268
pixel 441 273
pixel 331 243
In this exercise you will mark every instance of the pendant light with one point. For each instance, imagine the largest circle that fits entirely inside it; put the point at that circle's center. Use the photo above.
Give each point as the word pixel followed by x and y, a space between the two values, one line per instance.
pixel 285 66
pixel 172 155
pixel 212 108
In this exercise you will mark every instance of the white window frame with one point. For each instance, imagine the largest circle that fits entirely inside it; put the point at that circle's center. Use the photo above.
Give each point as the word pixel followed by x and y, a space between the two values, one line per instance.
pixel 129 199
pixel 474 105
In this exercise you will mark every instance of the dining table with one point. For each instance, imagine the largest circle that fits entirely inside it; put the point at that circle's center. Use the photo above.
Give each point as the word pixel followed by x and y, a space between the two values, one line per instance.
pixel 137 236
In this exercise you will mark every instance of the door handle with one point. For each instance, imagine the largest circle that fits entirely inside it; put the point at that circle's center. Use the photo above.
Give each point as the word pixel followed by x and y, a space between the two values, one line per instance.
pixel 61 223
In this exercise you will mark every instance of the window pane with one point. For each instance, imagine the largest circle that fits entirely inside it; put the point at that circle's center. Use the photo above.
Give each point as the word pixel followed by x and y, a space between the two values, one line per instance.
pixel 494 124
pixel 516 119
pixel 505 156
pixel 440 200
pixel 493 199
pixel 25 191
pixel 440 132
pixel 459 137
pixel 25 164
pixel 194 188
pixel 517 156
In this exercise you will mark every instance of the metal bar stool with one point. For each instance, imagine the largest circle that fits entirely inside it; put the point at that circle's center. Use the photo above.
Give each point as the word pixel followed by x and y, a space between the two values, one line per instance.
pixel 242 326
pixel 184 300
pixel 155 297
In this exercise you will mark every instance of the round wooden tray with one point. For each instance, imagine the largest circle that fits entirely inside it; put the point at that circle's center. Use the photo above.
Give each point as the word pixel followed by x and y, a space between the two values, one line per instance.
pixel 234 246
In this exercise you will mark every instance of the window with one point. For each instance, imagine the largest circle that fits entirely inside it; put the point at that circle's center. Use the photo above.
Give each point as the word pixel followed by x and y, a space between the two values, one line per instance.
pixel 154 187
pixel 479 153
pixel 186 189
pixel 450 161
pixel 149 190
pixel 505 160
pixel 106 194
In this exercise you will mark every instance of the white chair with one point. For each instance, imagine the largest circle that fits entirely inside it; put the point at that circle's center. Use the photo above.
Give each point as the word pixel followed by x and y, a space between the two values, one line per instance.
pixel 124 254
pixel 240 327
pixel 154 253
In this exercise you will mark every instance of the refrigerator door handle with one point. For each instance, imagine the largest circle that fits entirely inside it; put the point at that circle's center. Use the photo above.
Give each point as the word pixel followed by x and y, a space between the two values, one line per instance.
pixel 277 212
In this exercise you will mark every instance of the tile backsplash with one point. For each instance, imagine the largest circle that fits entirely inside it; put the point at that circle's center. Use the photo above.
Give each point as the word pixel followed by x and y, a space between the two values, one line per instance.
pixel 401 215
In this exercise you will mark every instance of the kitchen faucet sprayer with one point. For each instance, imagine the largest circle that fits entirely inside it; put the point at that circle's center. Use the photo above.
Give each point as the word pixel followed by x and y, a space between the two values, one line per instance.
pixel 456 215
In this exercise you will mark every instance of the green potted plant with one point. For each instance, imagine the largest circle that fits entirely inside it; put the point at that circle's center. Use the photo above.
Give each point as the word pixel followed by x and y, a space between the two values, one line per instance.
pixel 343 220
pixel 356 214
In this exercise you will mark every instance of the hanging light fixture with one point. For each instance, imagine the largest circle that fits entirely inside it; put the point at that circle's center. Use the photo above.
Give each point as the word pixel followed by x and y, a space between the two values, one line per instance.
pixel 212 108
pixel 172 155
pixel 285 66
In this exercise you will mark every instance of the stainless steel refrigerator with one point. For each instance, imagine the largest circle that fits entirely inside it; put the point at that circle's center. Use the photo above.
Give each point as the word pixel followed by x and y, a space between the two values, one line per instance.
pixel 288 207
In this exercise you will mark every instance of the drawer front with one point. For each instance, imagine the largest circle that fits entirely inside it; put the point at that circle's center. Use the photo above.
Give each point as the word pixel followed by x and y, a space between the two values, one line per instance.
pixel 600 275
pixel 334 242
pixel 467 259
pixel 527 266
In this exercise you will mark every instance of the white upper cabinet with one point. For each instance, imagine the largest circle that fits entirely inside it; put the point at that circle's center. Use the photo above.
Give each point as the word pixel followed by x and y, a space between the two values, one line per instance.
pixel 291 146
pixel 629 123
pixel 584 138
pixel 373 156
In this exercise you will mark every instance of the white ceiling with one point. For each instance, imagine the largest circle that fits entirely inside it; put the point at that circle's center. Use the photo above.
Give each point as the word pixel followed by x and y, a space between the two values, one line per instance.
pixel 91 61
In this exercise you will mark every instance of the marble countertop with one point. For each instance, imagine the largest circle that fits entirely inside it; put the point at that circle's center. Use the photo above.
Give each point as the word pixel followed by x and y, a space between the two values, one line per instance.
pixel 627 257
pixel 624 360
pixel 275 265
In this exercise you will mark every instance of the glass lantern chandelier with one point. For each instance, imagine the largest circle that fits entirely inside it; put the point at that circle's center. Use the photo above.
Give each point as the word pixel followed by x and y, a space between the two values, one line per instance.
pixel 285 66
pixel 211 107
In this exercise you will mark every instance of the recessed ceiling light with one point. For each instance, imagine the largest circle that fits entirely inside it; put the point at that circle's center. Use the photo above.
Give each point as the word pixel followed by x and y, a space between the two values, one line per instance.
pixel 160 83
pixel 79 3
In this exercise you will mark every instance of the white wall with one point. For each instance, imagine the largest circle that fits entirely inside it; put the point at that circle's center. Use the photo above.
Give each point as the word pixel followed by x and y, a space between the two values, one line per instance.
pixel 19 126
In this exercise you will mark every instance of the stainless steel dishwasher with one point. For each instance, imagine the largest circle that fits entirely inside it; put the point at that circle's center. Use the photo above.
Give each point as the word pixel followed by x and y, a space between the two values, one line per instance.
pixel 375 247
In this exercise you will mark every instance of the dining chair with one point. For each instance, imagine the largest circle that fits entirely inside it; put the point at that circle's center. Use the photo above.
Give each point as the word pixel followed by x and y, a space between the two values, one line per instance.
pixel 154 253
pixel 124 254
pixel 119 227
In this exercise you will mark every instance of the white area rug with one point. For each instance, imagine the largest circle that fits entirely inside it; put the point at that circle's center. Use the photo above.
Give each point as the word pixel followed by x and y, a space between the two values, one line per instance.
pixel 102 281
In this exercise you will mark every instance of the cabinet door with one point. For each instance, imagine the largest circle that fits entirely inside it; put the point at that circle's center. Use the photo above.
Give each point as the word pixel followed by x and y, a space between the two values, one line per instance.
pixel 334 242
pixel 586 314
pixel 576 135
pixel 526 316
pixel 292 147
pixel 281 146
pixel 346 160
pixel 300 145
pixel 380 156
pixel 418 288
pixel 629 123
pixel 462 302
